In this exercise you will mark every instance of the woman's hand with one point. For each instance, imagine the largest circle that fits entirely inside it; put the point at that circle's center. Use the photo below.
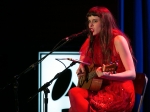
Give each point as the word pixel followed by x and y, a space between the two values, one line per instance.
pixel 100 73
pixel 81 71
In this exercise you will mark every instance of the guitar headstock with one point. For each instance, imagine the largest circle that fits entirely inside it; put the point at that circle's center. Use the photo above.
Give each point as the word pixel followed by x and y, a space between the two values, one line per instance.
pixel 112 67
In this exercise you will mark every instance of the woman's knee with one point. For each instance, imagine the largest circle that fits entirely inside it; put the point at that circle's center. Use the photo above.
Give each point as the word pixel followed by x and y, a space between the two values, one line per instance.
pixel 73 91
pixel 78 91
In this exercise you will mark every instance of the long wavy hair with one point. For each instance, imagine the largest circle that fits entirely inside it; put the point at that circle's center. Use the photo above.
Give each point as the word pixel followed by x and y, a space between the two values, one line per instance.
pixel 109 30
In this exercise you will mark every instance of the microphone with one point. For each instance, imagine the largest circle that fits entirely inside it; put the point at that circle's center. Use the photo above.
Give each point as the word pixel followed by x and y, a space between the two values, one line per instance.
pixel 84 32
pixel 70 59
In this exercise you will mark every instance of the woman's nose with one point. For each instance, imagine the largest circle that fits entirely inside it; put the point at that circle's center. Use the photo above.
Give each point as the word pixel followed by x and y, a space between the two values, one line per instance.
pixel 90 24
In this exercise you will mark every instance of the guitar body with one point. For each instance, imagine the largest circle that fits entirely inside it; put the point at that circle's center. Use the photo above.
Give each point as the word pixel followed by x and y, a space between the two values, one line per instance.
pixel 93 84
pixel 90 80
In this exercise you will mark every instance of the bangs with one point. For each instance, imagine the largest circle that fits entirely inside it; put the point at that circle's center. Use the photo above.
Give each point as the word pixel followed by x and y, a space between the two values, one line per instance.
pixel 91 14
pixel 97 11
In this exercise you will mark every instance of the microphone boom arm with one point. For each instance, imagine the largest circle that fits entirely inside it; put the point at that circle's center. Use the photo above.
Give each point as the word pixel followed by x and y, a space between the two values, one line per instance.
pixel 16 77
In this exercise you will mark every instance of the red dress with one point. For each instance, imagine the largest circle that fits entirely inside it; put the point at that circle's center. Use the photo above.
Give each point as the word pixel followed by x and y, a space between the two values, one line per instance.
pixel 114 96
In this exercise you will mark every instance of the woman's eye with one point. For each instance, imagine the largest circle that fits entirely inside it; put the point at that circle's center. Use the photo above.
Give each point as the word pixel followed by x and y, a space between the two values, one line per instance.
pixel 89 21
pixel 94 21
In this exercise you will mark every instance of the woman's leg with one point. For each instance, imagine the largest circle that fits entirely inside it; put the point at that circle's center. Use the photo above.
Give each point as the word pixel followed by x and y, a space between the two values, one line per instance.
pixel 78 100
pixel 70 110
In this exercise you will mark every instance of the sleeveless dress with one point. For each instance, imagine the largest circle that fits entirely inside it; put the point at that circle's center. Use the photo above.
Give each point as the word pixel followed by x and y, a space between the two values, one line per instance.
pixel 114 96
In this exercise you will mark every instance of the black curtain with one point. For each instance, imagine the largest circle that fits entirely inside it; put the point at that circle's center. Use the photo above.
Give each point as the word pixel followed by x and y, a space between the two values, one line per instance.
pixel 135 22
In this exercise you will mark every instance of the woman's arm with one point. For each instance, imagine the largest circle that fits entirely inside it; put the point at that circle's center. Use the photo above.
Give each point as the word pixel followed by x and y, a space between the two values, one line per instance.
pixel 122 49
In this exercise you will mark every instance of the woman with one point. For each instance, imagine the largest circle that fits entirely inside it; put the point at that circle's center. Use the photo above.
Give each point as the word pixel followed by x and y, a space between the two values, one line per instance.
pixel 105 44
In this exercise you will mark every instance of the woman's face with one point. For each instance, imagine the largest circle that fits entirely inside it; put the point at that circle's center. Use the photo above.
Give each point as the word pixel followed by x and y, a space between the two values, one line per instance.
pixel 94 24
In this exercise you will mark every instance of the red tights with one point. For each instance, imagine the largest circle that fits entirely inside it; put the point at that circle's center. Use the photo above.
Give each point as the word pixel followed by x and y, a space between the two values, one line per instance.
pixel 78 100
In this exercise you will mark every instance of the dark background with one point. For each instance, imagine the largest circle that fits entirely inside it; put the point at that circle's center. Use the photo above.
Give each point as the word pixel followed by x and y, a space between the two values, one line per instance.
pixel 28 27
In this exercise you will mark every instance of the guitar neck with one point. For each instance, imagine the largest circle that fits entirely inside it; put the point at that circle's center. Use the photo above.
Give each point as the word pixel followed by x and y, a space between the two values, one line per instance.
pixel 105 68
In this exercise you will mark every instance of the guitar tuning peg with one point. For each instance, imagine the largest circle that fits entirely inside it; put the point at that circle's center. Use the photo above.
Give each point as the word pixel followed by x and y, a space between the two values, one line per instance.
pixel 116 61
pixel 111 62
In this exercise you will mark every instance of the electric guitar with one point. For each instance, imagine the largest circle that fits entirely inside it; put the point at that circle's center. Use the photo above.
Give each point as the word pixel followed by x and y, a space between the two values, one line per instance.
pixel 90 80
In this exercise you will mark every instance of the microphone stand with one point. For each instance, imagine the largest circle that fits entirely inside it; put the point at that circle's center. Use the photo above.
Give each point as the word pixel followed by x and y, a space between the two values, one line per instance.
pixel 15 88
pixel 46 91
pixel 47 84
pixel 15 83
